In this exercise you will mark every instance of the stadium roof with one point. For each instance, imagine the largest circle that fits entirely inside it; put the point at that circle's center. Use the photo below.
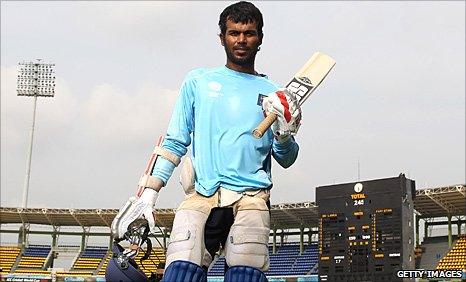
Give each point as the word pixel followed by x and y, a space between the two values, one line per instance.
pixel 283 216
pixel 72 217
pixel 442 201
pixel 434 202
pixel 294 215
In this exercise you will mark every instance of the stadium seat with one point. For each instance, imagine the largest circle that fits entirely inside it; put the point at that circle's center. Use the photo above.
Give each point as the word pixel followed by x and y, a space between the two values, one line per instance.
pixel 33 259
pixel 456 257
pixel 8 255
pixel 154 264
pixel 90 259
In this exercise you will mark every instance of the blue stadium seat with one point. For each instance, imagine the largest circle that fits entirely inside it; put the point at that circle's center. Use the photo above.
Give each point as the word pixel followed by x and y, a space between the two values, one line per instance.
pixel 286 261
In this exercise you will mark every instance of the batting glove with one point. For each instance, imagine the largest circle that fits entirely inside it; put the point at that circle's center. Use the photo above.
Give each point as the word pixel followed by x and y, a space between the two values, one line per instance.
pixel 285 105
pixel 134 209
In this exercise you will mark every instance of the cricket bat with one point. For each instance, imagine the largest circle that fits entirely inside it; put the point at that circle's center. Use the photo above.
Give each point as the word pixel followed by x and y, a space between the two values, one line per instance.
pixel 149 168
pixel 303 84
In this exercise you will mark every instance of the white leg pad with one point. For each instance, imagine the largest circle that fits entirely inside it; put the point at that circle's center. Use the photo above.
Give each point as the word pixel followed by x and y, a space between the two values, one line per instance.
pixel 247 242
pixel 187 238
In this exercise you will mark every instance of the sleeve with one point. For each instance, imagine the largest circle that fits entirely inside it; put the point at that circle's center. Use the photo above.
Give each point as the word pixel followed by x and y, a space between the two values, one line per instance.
pixel 285 153
pixel 181 125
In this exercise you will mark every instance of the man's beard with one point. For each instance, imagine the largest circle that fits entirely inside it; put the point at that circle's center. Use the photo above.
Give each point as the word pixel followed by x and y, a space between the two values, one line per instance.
pixel 243 61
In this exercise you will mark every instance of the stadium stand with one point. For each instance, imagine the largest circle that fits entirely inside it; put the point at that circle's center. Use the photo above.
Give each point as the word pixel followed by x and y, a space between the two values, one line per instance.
pixel 33 257
pixel 286 262
pixel 90 259
pixel 8 255
pixel 218 269
pixel 306 261
pixel 32 271
pixel 282 261
pixel 456 257
pixel 287 219
pixel 434 248
pixel 102 268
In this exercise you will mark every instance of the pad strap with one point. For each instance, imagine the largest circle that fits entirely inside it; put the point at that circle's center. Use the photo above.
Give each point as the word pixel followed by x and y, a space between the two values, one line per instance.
pixel 174 159
pixel 152 182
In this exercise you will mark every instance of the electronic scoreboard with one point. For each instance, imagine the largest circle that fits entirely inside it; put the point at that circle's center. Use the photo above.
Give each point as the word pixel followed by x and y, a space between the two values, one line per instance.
pixel 366 229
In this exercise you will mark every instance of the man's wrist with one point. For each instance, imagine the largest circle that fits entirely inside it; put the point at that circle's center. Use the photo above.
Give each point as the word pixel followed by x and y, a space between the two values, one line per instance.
pixel 156 189
pixel 285 145
pixel 282 138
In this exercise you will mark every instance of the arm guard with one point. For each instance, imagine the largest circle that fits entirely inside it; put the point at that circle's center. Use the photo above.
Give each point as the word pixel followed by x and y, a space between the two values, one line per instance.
pixel 152 182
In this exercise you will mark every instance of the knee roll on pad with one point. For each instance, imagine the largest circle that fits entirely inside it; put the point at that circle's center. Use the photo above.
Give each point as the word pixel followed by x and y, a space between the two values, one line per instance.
pixel 184 271
pixel 248 246
pixel 247 242
pixel 244 273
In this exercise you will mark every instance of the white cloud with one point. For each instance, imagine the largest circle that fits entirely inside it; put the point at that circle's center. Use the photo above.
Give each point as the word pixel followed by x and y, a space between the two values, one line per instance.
pixel 113 113
pixel 77 140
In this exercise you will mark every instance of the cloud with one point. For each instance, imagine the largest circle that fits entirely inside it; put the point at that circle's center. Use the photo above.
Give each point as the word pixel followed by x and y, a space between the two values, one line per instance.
pixel 111 112
pixel 17 111
pixel 78 141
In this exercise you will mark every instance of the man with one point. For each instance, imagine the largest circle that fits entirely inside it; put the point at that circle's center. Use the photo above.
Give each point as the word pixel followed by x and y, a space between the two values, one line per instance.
pixel 228 177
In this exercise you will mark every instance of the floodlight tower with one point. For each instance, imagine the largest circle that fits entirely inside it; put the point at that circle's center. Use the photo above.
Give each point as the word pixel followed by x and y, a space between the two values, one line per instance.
pixel 35 79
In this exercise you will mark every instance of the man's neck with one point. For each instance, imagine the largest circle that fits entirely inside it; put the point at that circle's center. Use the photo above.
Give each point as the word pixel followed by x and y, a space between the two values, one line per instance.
pixel 249 69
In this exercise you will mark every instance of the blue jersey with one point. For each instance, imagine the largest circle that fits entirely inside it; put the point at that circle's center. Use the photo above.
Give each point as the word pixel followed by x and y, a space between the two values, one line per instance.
pixel 216 111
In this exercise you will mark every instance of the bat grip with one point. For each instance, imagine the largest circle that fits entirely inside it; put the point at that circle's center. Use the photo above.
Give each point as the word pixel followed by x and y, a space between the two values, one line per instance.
pixel 264 125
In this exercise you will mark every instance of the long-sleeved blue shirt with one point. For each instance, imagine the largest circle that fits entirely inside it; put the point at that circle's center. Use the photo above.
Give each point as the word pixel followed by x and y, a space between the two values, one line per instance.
pixel 216 111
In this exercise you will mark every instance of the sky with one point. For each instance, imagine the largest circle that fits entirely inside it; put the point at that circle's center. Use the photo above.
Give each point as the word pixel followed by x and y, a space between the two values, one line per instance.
pixel 394 103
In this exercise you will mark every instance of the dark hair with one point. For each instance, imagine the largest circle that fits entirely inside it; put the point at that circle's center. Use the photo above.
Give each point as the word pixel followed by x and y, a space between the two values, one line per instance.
pixel 243 12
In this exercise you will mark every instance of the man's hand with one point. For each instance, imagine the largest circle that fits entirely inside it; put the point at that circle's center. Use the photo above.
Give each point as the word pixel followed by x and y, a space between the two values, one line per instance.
pixel 135 208
pixel 285 104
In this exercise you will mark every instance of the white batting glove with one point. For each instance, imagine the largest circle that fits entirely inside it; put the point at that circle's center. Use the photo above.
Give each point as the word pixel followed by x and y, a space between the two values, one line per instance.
pixel 285 104
pixel 134 209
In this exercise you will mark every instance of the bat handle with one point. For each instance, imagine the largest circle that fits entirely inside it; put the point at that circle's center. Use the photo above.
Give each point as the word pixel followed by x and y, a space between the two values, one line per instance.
pixel 264 125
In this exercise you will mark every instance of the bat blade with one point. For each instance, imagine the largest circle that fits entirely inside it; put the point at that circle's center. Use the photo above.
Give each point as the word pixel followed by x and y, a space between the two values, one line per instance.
pixel 303 84
pixel 309 77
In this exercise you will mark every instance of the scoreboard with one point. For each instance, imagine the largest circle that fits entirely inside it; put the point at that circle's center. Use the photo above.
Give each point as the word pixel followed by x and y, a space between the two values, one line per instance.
pixel 366 229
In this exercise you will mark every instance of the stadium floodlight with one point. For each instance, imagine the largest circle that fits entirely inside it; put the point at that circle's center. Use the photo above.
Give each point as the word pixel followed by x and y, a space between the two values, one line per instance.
pixel 35 79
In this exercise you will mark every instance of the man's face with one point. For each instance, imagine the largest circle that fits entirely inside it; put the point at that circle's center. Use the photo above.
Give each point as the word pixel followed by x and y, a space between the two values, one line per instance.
pixel 241 42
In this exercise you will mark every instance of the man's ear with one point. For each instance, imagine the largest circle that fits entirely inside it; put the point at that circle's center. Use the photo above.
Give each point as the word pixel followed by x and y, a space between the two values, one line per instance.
pixel 222 39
